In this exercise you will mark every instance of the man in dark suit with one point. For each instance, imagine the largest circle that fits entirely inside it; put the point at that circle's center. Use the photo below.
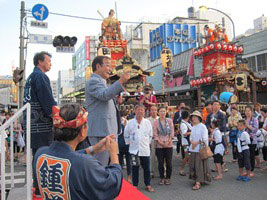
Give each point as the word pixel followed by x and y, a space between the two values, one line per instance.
pixel 103 113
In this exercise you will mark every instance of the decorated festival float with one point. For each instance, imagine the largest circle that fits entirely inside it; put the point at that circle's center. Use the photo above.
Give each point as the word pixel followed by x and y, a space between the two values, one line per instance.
pixel 112 44
pixel 224 70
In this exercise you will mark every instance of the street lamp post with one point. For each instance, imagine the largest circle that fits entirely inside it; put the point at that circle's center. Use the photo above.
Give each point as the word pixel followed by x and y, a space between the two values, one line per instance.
pixel 207 8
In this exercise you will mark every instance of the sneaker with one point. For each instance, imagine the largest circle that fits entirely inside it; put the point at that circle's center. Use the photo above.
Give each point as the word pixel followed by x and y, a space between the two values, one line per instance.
pixel 240 178
pixel 246 179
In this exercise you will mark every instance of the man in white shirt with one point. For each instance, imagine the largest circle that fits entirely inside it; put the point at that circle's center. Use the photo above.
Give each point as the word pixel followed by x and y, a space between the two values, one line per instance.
pixel 153 117
pixel 138 134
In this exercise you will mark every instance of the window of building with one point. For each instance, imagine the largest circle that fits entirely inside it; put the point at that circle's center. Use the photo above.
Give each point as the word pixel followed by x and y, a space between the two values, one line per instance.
pixel 261 62
pixel 138 33
pixel 252 63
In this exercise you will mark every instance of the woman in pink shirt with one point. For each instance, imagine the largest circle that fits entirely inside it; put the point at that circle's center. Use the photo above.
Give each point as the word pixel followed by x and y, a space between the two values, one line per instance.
pixel 163 132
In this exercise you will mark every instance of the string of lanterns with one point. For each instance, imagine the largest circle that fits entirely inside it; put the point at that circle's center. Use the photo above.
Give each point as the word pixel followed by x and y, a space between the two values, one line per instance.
pixel 219 46
pixel 201 81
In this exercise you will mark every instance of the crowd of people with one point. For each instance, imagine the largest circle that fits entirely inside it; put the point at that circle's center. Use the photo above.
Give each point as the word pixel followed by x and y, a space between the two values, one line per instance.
pixel 79 153
pixel 221 130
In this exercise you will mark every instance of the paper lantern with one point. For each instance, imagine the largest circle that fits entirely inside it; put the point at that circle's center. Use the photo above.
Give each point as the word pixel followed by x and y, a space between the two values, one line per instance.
pixel 196 53
pixel 229 47
pixel 240 49
pixel 193 82
pixel 207 49
pixel 209 79
pixel 197 82
pixel 218 46
pixel 224 47
pixel 199 52
pixel 202 50
pixel 205 80
pixel 211 46
pixel 201 81
pixel 234 48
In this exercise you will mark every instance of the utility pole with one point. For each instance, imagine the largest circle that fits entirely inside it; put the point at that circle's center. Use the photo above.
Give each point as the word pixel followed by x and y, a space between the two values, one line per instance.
pixel 21 54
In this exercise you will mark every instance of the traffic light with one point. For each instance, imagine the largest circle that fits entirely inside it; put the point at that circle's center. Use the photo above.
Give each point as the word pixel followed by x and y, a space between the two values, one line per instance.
pixel 18 75
pixel 60 41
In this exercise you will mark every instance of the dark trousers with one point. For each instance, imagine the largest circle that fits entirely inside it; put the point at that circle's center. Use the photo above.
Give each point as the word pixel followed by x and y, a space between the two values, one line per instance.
pixel 128 161
pixel 145 163
pixel 264 153
pixel 234 151
pixel 179 143
pixel 35 183
pixel 164 155
pixel 252 149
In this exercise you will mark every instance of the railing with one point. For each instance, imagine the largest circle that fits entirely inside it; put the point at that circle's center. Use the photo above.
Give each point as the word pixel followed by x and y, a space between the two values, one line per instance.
pixel 8 124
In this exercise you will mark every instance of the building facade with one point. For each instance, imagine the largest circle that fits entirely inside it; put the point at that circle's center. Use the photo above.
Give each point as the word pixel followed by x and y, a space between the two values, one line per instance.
pixel 138 42
pixel 65 83
pixel 54 88
pixel 7 82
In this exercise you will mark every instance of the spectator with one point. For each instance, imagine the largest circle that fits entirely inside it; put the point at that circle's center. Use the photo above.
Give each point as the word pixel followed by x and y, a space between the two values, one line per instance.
pixel 138 134
pixel 2 117
pixel 138 92
pixel 176 121
pixel 218 148
pixel 257 113
pixel 206 111
pixel 38 93
pixel 186 129
pixel 252 126
pixel 233 120
pixel 214 96
pixel 198 169
pixel 103 113
pixel 163 132
pixel 124 149
pixel 63 173
pixel 243 141
pixel 153 117
pixel 148 99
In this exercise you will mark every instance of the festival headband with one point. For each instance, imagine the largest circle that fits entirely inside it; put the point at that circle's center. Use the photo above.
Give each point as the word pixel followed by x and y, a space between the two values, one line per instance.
pixel 59 122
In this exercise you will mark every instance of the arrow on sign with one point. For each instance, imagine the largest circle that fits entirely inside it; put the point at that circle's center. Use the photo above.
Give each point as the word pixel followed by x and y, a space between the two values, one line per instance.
pixel 40 14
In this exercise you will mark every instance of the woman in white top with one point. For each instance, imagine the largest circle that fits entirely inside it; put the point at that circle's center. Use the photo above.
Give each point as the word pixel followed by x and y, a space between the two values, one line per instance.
pixel 185 128
pixel 198 169
pixel 218 148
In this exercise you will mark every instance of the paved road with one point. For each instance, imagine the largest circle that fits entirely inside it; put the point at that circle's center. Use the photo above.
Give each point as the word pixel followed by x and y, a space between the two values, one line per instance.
pixel 226 189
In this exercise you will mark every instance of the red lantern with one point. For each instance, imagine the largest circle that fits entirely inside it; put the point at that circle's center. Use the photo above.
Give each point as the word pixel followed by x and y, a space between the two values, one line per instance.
pixel 211 47
pixel 202 50
pixel 194 83
pixel 229 47
pixel 240 49
pixel 195 53
pixel 209 79
pixel 234 48
pixel 218 46
pixel 201 81
pixel 205 80
pixel 197 82
pixel 207 49
pixel 224 47
pixel 199 52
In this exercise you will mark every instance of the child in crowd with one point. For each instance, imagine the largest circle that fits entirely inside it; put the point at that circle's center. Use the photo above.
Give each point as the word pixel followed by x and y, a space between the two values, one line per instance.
pixel 243 140
pixel 217 148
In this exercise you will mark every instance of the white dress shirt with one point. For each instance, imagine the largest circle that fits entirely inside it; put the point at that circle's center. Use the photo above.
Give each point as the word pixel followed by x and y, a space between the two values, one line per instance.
pixel 219 148
pixel 245 142
pixel 138 136
pixel 199 133
pixel 184 126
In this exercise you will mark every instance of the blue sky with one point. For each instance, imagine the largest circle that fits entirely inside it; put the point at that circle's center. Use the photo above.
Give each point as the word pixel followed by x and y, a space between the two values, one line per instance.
pixel 242 12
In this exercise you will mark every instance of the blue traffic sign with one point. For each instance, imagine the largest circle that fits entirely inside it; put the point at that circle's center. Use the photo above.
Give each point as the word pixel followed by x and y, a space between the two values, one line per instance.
pixel 40 12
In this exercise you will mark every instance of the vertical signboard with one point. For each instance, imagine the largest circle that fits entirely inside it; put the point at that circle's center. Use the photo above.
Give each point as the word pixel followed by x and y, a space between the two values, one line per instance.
pixel 177 37
pixel 87 47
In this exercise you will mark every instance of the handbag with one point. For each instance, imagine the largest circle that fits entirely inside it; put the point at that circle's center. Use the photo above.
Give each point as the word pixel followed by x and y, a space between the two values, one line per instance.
pixel 20 141
pixel 205 151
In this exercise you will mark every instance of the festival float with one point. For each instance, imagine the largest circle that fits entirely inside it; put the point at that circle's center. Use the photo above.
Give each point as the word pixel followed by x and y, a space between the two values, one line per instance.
pixel 112 44
pixel 224 69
